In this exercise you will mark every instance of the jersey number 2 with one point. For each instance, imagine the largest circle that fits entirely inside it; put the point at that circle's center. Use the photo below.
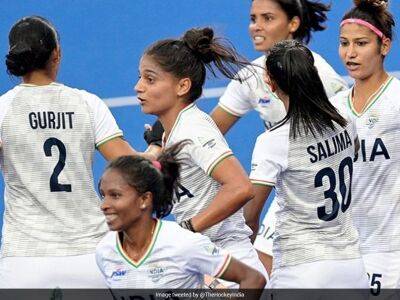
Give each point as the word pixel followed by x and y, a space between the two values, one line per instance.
pixel 54 185
pixel 330 193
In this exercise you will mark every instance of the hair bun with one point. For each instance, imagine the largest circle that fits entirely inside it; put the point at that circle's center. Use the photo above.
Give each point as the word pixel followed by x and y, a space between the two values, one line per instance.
pixel 199 41
pixel 19 59
pixel 380 4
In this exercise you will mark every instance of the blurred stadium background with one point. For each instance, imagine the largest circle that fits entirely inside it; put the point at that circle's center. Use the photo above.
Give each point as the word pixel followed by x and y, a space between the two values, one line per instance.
pixel 102 42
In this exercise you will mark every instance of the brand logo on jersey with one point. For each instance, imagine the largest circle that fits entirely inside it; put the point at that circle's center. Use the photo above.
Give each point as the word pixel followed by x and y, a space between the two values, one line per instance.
pixel 371 121
pixel 264 101
pixel 156 272
pixel 213 250
pixel 118 273
pixel 207 143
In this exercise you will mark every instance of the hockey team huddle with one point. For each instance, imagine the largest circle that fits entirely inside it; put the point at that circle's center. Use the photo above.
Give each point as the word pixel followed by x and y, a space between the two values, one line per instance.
pixel 329 151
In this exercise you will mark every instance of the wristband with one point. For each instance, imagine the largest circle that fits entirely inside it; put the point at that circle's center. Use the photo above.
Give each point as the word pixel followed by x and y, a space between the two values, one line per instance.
pixel 187 224
pixel 154 135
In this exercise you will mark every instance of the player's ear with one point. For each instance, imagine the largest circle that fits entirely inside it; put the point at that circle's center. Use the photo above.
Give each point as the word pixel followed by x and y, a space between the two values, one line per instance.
pixel 146 200
pixel 294 25
pixel 385 46
pixel 183 86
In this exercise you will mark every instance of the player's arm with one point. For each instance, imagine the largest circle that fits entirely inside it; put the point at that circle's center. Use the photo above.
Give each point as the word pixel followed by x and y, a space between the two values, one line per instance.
pixel 253 208
pixel 245 276
pixel 234 103
pixel 118 147
pixel 266 260
pixel 223 119
pixel 235 191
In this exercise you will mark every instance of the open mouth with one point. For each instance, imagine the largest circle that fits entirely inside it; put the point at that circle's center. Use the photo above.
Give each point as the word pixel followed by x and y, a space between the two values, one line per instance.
pixel 352 65
pixel 258 39
pixel 111 217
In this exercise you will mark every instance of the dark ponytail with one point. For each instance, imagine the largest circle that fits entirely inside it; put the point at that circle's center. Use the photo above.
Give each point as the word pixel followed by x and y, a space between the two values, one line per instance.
pixel 31 40
pixel 374 12
pixel 160 178
pixel 197 50
pixel 290 65
pixel 312 15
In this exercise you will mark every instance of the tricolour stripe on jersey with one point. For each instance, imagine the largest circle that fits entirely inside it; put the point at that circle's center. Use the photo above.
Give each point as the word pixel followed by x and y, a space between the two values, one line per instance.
pixel 224 155
pixel 138 263
pixel 381 90
pixel 262 182
pixel 178 119
pixel 229 111
pixel 221 270
pixel 118 134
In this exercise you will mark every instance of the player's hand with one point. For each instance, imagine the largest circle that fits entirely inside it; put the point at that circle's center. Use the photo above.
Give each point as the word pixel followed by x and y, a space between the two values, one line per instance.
pixel 153 134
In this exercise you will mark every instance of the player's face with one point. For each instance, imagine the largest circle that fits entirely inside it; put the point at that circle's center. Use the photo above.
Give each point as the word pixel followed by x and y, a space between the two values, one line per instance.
pixel 360 51
pixel 121 202
pixel 156 89
pixel 269 24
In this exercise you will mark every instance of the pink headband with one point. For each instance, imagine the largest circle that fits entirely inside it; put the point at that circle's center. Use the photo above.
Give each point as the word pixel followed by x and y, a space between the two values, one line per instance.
pixel 156 164
pixel 364 23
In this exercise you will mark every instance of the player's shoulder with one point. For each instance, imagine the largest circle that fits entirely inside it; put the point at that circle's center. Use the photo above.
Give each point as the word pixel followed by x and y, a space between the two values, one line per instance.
pixel 83 94
pixel 192 120
pixel 10 94
pixel 393 86
pixel 108 242
pixel 259 61
pixel 323 67
pixel 319 61
pixel 341 98
pixel 277 132
pixel 256 67
pixel 6 101
pixel 274 139
pixel 174 230
pixel 182 237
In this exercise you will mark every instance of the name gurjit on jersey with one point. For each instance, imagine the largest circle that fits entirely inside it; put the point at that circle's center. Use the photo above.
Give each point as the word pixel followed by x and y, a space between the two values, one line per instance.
pixel 51 120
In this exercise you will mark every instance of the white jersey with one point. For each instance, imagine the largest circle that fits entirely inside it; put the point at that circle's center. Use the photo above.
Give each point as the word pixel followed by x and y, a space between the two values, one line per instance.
pixel 48 136
pixel 240 98
pixel 376 170
pixel 312 178
pixel 176 258
pixel 197 188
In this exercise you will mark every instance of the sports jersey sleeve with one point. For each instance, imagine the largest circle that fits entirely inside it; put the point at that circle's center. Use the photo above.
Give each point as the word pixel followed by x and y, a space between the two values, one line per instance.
pixel 269 158
pixel 106 127
pixel 237 97
pixel 5 103
pixel 208 147
pixel 205 257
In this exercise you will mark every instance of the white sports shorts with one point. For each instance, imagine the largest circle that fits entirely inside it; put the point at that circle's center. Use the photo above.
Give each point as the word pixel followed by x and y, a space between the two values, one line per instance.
pixel 78 271
pixel 383 270
pixel 323 274
pixel 243 251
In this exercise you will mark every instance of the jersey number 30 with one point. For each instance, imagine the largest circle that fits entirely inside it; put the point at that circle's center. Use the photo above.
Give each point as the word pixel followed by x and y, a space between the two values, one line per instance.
pixel 330 192
pixel 54 185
